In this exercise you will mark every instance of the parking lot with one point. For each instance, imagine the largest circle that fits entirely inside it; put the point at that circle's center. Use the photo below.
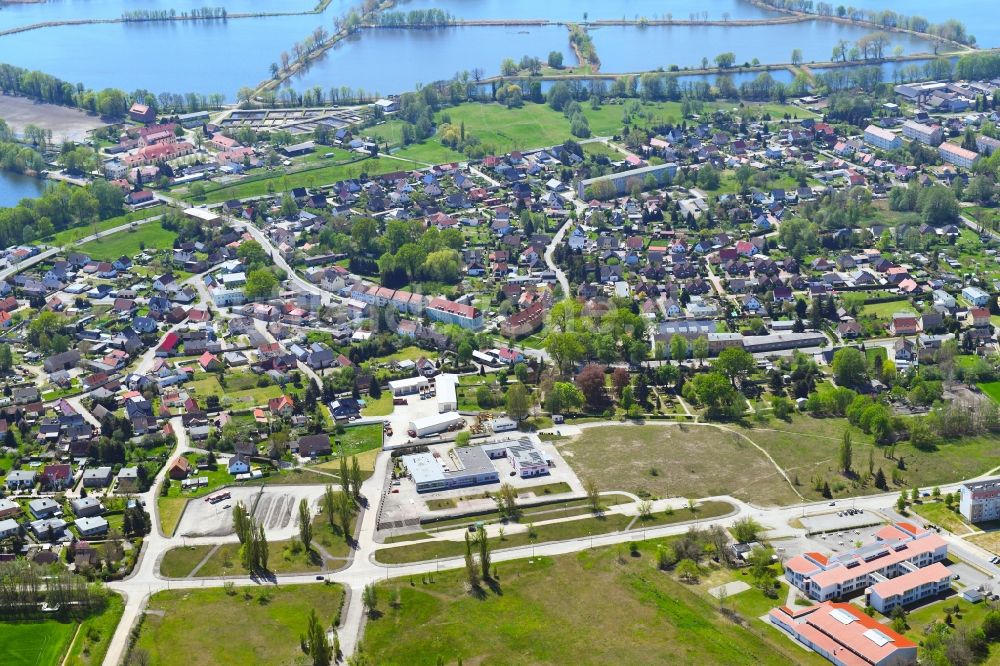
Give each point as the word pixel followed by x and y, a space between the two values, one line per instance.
pixel 276 507
pixel 840 519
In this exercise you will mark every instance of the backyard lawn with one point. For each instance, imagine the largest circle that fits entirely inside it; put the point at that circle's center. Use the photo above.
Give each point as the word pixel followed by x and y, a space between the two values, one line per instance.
pixel 253 626
pixel 381 407
pixel 129 243
pixel 358 439
pixel 623 611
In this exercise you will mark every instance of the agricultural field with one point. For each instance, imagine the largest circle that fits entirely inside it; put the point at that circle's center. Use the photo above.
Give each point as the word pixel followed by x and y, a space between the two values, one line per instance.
pixel 130 242
pixel 211 625
pixel 437 620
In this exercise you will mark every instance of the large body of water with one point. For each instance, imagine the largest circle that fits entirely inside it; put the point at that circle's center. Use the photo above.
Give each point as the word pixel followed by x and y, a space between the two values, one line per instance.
pixel 573 10
pixel 15 186
pixel 631 49
pixel 220 57
pixel 392 61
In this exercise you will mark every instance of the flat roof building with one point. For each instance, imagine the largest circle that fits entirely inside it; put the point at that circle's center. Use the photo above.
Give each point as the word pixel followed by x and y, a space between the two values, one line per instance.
pixel 471 467
pixel 979 501
pixel 400 387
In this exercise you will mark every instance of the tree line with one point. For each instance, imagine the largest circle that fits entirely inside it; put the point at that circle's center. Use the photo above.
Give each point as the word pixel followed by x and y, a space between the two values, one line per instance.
pixel 59 207
pixel 201 13
pixel 109 102
pixel 952 29
pixel 24 586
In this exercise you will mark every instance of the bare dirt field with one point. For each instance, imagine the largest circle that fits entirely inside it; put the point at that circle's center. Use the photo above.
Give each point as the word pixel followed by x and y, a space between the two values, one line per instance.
pixel 64 122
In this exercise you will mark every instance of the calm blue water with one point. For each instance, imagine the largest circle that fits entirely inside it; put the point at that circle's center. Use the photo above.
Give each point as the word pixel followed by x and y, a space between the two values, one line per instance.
pixel 14 187
pixel 55 10
pixel 631 49
pixel 977 15
pixel 573 10
pixel 179 57
pixel 392 61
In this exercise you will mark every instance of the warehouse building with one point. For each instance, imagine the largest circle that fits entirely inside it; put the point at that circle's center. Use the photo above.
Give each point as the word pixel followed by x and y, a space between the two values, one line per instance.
pixel 401 387
pixel 447 396
pixel 471 467
pixel 431 425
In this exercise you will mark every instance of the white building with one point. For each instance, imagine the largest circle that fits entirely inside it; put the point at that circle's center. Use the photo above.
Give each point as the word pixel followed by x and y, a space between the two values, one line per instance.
pixel 408 386
pixel 899 549
pixel 957 155
pixel 909 588
pixel 431 425
pixel 931 135
pixel 88 527
pixel 979 501
pixel 882 138
pixel 447 395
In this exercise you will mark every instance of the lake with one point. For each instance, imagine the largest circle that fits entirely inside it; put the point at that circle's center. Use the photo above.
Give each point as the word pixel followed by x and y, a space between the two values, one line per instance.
pixel 573 10
pixel 15 186
pixel 969 12
pixel 222 56
pixel 632 49
pixel 393 61
pixel 57 10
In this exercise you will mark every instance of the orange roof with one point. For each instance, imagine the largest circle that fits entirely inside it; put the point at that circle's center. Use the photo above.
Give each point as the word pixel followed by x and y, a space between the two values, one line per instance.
pixel 818 557
pixel 902 584
pixel 835 626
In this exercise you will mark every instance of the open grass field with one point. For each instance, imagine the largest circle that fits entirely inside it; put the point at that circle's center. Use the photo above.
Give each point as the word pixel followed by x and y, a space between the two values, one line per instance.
pixel 358 439
pixel 504 130
pixel 95 634
pixel 240 390
pixel 886 309
pixel 179 562
pixel 991 389
pixel 381 407
pixel 257 185
pixel 171 509
pixel 430 152
pixel 130 243
pixel 570 529
pixel 34 643
pixel 676 461
pixel 623 611
pixel 940 515
pixel 808 447
pixel 988 540
pixel 209 627
pixel 73 234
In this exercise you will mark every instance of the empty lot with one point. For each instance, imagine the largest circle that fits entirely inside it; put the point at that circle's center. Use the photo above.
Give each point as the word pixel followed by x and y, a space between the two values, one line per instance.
pixel 676 460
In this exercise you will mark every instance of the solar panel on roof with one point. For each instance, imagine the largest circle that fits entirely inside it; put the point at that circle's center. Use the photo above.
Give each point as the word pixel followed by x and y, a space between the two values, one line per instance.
pixel 842 616
pixel 877 637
